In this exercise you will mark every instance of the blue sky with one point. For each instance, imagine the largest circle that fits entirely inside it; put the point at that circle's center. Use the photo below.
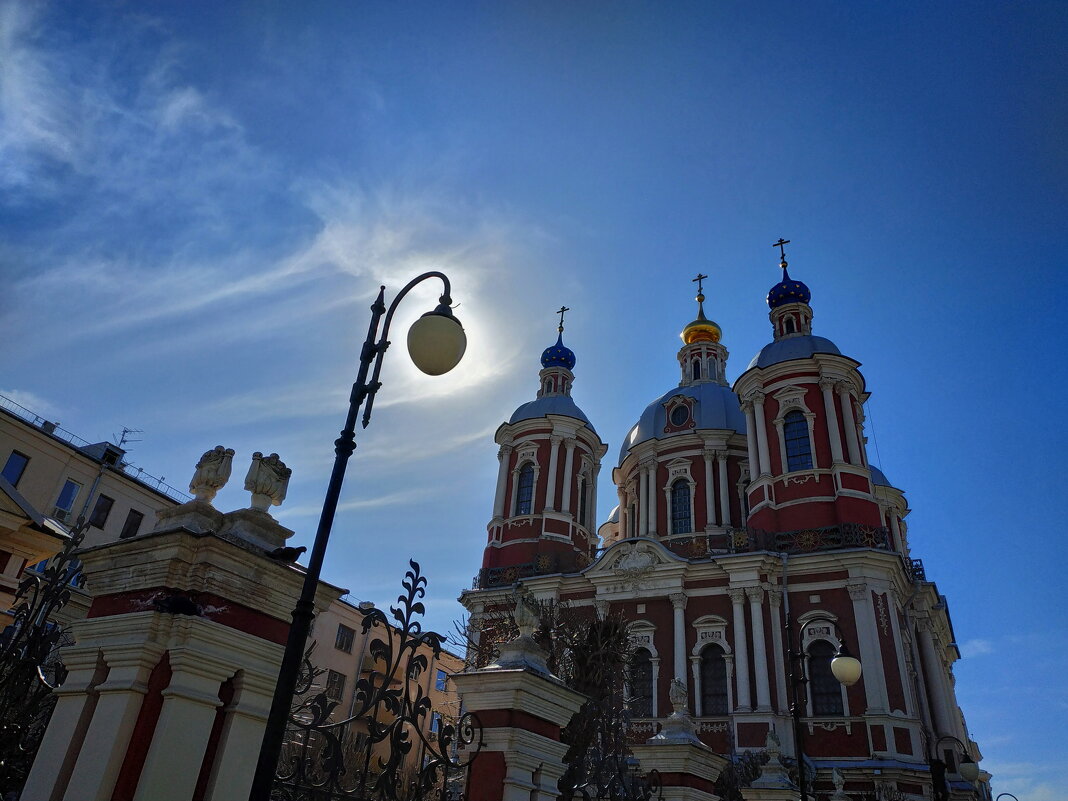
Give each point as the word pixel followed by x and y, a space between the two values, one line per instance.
pixel 198 201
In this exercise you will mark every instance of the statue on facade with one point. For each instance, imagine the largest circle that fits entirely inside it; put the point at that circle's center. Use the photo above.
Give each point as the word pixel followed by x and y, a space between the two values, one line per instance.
pixel 212 473
pixel 839 785
pixel 267 480
pixel 678 696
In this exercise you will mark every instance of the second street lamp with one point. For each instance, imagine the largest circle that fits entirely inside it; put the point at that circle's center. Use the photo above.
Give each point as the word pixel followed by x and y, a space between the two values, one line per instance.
pixel 436 343
pixel 845 667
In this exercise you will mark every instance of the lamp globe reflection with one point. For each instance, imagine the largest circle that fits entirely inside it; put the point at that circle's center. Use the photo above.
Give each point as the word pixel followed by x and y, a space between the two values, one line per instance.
pixel 968 768
pixel 436 341
pixel 846 667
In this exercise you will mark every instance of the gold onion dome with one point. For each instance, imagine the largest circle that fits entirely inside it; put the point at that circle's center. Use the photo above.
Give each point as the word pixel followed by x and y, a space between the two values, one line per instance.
pixel 702 329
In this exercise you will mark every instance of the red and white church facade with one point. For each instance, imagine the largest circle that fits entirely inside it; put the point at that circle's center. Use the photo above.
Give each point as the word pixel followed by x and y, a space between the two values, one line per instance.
pixel 740 508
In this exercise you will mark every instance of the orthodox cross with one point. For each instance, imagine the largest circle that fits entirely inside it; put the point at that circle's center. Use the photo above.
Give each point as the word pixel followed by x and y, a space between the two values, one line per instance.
pixel 781 245
pixel 699 280
pixel 561 313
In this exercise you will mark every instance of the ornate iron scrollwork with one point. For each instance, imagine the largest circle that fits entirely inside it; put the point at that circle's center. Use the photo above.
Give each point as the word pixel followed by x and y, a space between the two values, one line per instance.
pixel 30 668
pixel 383 749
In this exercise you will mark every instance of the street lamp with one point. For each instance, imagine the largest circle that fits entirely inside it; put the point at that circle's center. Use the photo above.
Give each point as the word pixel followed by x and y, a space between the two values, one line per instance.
pixel 844 666
pixel 968 768
pixel 1010 795
pixel 436 343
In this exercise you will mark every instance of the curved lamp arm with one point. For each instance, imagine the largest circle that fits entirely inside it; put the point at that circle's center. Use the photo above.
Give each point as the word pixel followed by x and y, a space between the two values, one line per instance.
pixel 845 667
pixel 1010 795
pixel 968 767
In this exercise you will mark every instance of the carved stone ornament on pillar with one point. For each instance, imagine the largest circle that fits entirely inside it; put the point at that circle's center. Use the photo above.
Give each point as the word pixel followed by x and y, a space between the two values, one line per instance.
pixel 773 775
pixel 267 480
pixel 212 473
pixel 679 726
pixel 523 652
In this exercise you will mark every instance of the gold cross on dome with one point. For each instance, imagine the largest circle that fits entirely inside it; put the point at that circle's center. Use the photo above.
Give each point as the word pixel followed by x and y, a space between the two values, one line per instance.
pixel 561 313
pixel 699 280
pixel 781 245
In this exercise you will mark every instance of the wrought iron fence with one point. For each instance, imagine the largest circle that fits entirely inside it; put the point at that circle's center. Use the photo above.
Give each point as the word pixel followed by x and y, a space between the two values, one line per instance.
pixel 30 668
pixel 384 749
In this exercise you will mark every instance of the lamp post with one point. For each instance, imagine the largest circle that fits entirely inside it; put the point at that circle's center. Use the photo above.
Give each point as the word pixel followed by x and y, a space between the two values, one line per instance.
pixel 436 343
pixel 968 768
pixel 845 667
pixel 1010 795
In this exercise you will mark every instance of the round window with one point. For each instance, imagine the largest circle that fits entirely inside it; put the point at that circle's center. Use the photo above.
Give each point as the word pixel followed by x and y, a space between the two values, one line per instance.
pixel 680 415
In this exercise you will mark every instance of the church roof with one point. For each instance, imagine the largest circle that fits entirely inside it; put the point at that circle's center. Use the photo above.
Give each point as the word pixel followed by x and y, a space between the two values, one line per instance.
pixel 550 404
pixel 878 477
pixel 788 348
pixel 717 407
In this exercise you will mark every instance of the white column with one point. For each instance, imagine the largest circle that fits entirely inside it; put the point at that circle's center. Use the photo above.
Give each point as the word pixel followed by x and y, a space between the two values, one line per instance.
pixel 760 649
pixel 741 648
pixel 849 423
pixel 832 421
pixel 724 496
pixel 870 656
pixel 895 529
pixel 695 674
pixel 643 506
pixel 188 712
pixel 652 499
pixel 502 481
pixel 762 434
pixel 775 602
pixel 550 487
pixel 655 662
pixel 710 509
pixel 932 672
pixel 591 500
pixel 569 457
pixel 750 441
pixel 678 604
pixel 621 495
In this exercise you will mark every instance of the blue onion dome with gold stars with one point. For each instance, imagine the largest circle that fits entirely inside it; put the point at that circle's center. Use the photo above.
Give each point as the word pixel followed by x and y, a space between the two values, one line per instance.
pixel 788 291
pixel 558 355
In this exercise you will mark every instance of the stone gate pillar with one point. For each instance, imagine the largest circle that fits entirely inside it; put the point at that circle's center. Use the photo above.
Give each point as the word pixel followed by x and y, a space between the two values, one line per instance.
pixel 174 668
pixel 521 708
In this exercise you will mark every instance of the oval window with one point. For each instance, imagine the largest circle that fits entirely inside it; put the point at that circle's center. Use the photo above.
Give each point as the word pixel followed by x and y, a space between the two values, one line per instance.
pixel 680 415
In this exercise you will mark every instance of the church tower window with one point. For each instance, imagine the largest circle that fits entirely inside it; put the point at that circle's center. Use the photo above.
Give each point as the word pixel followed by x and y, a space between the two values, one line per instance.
pixel 680 507
pixel 525 490
pixel 826 690
pixel 696 370
pixel 582 502
pixel 641 684
pixel 713 681
pixel 798 446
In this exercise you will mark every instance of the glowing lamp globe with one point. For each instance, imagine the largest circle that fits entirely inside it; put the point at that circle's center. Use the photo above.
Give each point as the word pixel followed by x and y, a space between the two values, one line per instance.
pixel 846 667
pixel 969 769
pixel 436 341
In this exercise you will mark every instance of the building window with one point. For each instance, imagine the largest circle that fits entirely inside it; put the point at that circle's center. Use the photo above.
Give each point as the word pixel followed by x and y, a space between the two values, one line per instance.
pixel 132 524
pixel 713 681
pixel 16 464
pixel 632 520
pixel 525 490
pixel 440 680
pixel 798 445
pixel 640 678
pixel 435 722
pixel 65 501
pixel 826 691
pixel 335 685
pixel 582 502
pixel 101 511
pixel 680 507
pixel 343 640
pixel 788 326
pixel 696 370
pixel 680 415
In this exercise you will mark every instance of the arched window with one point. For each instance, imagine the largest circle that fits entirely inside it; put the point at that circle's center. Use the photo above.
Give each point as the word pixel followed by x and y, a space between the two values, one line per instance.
pixel 713 681
pixel 788 326
pixel 798 446
pixel 632 518
pixel 548 385
pixel 696 370
pixel 824 688
pixel 680 507
pixel 640 679
pixel 524 495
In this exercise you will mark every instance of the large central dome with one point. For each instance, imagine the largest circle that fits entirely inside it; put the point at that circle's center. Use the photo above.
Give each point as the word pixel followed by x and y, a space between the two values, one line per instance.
pixel 716 407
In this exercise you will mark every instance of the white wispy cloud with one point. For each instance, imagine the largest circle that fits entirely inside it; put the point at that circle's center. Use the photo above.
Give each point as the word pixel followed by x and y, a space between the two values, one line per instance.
pixel 976 647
